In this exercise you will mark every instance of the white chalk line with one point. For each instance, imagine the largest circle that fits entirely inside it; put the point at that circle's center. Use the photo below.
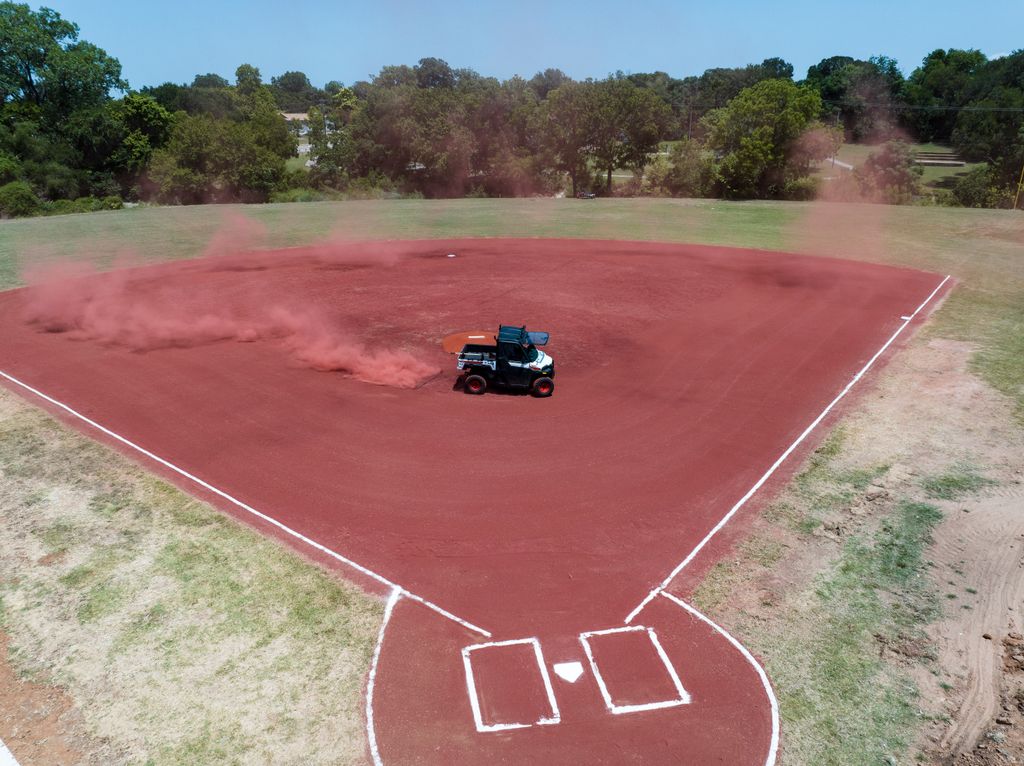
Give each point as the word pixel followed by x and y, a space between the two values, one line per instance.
pixel 474 699
pixel 682 699
pixel 782 458
pixel 371 734
pixel 6 756
pixel 773 748
pixel 248 508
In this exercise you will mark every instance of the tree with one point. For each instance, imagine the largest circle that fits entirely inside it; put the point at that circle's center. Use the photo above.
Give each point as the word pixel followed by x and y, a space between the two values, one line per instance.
pixel 29 40
pixel 42 62
pixel 890 174
pixel 434 73
pixel 293 92
pixel 628 122
pixel 568 128
pixel 247 79
pixel 331 149
pixel 214 160
pixel 992 130
pixel 758 137
pixel 209 81
pixel 862 95
pixel 544 82
pixel 688 171
pixel 938 88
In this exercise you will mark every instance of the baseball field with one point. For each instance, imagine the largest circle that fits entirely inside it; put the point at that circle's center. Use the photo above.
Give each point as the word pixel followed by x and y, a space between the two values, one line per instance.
pixel 252 518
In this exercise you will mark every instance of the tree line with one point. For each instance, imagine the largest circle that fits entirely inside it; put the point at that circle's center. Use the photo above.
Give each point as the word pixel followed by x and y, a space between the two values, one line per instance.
pixel 75 136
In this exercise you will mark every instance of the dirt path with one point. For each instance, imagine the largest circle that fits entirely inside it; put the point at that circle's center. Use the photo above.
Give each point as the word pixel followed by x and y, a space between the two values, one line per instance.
pixel 38 722
pixel 984 540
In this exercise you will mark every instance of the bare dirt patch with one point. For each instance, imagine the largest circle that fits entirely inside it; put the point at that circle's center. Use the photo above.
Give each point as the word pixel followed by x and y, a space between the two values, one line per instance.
pixel 38 722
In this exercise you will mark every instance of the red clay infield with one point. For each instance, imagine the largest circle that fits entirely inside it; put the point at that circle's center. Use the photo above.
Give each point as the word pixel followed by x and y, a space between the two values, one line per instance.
pixel 683 374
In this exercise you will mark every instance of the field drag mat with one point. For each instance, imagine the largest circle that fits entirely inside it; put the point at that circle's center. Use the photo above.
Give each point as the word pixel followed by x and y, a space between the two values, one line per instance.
pixel 305 391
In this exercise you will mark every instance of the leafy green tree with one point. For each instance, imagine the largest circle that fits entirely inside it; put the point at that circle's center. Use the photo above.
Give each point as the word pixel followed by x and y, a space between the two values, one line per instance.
pixel 10 168
pixel 209 81
pixel 627 123
pixel 29 40
pixel 248 79
pixel 293 92
pixel 687 172
pixel 937 89
pixel 861 95
pixel 214 160
pixel 544 82
pixel 890 174
pixel 758 137
pixel 331 149
pixel 42 62
pixel 991 129
pixel 567 122
pixel 434 73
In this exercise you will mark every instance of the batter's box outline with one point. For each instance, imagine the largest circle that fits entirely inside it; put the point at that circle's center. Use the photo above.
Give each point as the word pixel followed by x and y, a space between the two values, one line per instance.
pixel 684 696
pixel 474 699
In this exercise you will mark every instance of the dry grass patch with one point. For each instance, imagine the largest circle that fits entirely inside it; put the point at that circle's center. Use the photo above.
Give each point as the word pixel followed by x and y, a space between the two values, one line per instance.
pixel 181 636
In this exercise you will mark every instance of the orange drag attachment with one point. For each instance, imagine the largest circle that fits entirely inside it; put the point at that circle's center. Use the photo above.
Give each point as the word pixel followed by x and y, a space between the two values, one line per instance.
pixel 453 343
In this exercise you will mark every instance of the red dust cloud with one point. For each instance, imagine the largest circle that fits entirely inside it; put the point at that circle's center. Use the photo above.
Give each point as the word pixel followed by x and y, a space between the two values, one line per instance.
pixel 107 308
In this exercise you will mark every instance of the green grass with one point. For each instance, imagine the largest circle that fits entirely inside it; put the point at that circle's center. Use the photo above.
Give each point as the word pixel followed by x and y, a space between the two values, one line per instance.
pixel 841 703
pixel 935 177
pixel 958 481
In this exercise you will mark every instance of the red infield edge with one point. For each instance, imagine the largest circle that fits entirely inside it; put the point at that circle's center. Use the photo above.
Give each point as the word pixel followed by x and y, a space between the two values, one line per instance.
pixel 532 551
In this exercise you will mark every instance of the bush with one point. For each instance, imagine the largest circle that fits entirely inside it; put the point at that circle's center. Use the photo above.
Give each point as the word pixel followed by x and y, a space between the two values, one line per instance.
pixel 17 199
pixel 889 174
pixel 977 188
pixel 10 169
pixel 83 205
pixel 805 188
pixel 688 172
pixel 304 194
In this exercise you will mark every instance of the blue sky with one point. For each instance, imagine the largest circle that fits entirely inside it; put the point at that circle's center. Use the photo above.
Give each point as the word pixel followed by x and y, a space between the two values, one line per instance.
pixel 163 40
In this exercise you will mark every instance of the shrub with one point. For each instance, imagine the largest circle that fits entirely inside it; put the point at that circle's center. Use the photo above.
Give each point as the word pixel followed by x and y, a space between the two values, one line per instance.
pixel 889 174
pixel 688 172
pixel 977 188
pixel 805 188
pixel 18 199
pixel 10 169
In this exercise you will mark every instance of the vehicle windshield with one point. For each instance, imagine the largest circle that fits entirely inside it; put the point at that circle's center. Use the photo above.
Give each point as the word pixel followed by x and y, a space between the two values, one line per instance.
pixel 532 354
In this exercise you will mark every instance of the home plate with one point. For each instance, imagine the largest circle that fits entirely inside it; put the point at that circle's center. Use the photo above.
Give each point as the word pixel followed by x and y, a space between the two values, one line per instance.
pixel 570 671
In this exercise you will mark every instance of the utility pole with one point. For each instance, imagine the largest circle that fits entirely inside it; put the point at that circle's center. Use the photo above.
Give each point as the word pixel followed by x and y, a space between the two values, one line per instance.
pixel 1020 185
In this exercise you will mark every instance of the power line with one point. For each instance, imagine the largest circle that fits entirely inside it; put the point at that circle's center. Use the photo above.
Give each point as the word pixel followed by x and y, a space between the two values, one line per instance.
pixel 912 107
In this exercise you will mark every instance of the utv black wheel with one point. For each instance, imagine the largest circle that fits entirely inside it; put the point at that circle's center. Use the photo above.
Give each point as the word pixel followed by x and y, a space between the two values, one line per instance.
pixel 543 387
pixel 475 384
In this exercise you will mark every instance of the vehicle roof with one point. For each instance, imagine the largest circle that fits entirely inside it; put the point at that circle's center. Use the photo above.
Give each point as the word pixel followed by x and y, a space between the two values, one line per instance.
pixel 512 334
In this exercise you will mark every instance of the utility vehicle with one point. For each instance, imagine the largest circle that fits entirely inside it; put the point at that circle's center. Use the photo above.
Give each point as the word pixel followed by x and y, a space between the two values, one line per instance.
pixel 512 362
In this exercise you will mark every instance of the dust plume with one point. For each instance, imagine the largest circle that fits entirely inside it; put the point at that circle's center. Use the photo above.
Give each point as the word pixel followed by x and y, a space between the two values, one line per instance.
pixel 113 309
